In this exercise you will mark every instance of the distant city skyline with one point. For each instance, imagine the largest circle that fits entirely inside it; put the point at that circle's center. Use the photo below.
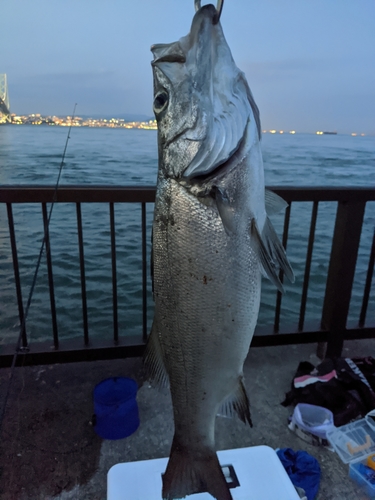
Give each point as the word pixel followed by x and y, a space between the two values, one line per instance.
pixel 310 64
pixel 136 122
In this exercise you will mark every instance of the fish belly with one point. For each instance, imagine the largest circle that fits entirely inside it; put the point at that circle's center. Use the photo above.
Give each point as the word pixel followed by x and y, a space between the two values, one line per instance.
pixel 207 293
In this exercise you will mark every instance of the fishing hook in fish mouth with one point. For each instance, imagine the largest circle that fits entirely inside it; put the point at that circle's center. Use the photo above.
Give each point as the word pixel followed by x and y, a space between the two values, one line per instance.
pixel 219 8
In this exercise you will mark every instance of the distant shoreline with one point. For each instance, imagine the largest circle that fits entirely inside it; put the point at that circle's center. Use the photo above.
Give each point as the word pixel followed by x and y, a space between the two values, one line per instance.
pixel 68 121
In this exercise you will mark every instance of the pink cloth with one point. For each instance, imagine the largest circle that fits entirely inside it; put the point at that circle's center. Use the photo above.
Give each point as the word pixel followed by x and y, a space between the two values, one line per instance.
pixel 312 379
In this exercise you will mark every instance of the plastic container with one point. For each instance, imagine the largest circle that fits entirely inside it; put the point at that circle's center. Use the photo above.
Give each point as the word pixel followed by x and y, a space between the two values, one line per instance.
pixel 314 419
pixel 311 423
pixel 353 442
pixel 370 419
pixel 356 473
pixel 115 408
pixel 370 462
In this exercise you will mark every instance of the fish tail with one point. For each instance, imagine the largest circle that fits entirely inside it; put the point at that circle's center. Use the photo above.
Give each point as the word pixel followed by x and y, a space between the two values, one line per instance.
pixel 188 473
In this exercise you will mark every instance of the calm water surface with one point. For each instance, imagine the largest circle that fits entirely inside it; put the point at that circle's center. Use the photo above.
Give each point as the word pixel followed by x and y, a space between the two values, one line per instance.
pixel 32 155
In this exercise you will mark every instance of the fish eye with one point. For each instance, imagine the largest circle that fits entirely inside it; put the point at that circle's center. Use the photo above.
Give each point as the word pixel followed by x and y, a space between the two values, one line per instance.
pixel 161 101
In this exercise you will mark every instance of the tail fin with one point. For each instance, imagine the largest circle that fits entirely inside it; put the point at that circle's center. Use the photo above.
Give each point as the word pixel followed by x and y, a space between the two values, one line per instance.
pixel 188 473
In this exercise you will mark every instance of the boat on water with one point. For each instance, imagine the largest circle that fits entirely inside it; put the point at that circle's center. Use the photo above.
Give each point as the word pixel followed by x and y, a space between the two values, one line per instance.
pixel 329 133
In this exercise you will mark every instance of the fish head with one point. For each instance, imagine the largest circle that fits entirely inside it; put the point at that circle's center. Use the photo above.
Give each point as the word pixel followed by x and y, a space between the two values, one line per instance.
pixel 202 102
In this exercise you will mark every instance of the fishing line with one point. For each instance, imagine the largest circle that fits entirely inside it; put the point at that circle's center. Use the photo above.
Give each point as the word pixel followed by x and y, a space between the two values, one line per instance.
pixel 23 349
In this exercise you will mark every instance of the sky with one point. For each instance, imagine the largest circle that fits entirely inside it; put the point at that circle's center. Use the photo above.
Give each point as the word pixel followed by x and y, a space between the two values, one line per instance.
pixel 310 63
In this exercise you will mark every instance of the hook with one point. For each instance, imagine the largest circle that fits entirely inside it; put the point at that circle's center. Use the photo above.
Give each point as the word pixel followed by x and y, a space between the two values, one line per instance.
pixel 219 8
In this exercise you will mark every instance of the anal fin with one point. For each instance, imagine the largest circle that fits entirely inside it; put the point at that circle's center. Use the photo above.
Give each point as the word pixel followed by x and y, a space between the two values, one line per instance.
pixel 238 402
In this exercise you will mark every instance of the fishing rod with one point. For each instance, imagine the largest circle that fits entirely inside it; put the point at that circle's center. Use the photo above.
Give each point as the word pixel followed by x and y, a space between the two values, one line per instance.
pixel 24 349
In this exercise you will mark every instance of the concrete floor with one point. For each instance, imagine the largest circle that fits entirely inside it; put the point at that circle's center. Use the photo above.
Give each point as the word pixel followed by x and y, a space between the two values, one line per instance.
pixel 49 450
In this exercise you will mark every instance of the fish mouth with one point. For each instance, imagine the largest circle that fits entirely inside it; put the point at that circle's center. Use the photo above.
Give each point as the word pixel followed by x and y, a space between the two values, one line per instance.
pixel 207 12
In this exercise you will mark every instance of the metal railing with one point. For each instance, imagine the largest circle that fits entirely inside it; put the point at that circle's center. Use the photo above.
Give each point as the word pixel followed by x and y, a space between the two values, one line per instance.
pixel 333 328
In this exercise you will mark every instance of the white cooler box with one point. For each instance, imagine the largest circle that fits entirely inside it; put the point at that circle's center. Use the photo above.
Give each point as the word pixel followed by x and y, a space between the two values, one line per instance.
pixel 260 474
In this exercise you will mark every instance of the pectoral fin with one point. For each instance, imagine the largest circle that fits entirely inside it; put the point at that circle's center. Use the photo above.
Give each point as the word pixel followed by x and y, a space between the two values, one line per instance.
pixel 265 258
pixel 153 360
pixel 271 253
pixel 277 250
pixel 225 210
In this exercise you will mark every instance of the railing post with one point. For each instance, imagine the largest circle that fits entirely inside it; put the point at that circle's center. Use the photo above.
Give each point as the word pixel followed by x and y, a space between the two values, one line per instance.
pixel 144 275
pixel 114 272
pixel 16 270
pixel 314 215
pixel 276 324
pixel 83 277
pixel 366 292
pixel 346 237
pixel 50 276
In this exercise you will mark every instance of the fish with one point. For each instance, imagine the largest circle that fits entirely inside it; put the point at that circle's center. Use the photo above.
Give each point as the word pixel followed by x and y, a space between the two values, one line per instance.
pixel 212 241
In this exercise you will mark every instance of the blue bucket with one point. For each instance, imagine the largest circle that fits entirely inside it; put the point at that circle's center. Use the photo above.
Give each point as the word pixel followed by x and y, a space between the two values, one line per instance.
pixel 115 408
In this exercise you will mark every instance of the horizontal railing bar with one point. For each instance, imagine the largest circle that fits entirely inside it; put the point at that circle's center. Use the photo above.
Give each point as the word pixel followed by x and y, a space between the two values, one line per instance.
pixel 131 194
pixel 324 193
pixel 75 194
pixel 74 351
pixel 309 337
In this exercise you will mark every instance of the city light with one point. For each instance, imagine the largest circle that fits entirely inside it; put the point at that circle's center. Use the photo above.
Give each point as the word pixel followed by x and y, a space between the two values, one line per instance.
pixel 69 121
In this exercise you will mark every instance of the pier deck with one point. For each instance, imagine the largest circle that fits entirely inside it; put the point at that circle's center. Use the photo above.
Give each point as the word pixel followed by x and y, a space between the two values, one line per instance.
pixel 50 450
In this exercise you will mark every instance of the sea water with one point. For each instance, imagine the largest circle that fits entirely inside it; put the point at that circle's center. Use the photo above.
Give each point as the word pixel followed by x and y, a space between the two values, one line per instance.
pixel 32 155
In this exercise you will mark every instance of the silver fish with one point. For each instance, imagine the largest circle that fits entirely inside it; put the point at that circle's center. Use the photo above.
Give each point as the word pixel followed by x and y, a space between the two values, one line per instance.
pixel 212 240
